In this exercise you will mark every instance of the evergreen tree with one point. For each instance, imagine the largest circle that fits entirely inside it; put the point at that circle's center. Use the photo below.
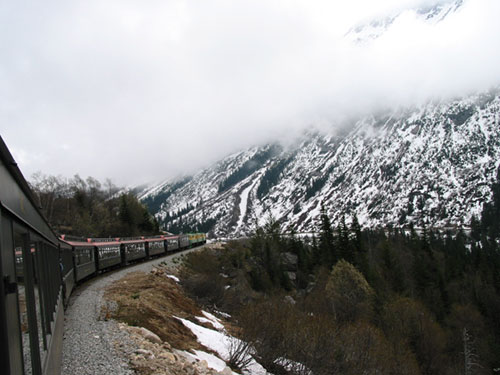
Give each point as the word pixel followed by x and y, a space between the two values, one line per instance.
pixel 343 245
pixel 327 253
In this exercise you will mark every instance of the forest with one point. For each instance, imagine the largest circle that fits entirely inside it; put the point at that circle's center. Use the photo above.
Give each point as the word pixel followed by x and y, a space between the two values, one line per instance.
pixel 89 208
pixel 361 301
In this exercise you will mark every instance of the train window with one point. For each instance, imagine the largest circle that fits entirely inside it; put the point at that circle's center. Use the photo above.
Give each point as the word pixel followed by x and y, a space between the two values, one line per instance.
pixel 155 245
pixel 22 301
pixel 26 302
pixel 109 252
pixel 36 257
pixel 83 255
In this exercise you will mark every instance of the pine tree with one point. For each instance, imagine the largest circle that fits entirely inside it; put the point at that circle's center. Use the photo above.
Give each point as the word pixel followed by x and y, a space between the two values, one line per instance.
pixel 327 252
pixel 343 245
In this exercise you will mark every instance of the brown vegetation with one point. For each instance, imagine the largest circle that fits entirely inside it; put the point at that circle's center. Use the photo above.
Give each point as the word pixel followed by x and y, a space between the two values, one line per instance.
pixel 152 301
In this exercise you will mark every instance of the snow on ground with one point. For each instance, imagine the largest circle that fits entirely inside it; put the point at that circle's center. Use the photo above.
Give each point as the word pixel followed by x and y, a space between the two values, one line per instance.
pixel 213 361
pixel 175 278
pixel 220 343
pixel 209 318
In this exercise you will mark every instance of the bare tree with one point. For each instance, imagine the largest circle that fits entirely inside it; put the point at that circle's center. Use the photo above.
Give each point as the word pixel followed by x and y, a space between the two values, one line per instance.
pixel 239 354
pixel 470 357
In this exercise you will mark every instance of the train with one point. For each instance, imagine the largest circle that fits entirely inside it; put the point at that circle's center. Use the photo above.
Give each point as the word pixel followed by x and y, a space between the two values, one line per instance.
pixel 83 258
pixel 39 270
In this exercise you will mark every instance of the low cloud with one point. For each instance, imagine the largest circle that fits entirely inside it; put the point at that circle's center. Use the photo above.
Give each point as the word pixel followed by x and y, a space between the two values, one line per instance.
pixel 141 91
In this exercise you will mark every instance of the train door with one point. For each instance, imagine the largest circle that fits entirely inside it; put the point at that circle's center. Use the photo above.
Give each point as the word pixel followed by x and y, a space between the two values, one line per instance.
pixel 10 272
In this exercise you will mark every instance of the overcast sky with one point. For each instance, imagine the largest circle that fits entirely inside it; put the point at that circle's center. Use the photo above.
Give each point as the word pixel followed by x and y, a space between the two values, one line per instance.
pixel 144 90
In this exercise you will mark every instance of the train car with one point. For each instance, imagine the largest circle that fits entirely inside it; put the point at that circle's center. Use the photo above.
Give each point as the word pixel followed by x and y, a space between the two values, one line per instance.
pixel 183 241
pixel 108 253
pixel 172 243
pixel 155 246
pixel 196 239
pixel 192 239
pixel 84 259
pixel 133 250
pixel 31 298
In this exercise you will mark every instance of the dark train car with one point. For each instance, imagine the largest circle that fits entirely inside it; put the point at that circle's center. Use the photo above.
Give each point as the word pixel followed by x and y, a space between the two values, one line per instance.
pixel 172 243
pixel 108 253
pixel 155 246
pixel 183 241
pixel 31 297
pixel 83 254
pixel 133 250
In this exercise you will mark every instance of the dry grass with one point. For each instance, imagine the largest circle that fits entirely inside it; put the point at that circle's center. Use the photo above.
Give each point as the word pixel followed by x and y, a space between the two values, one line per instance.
pixel 151 301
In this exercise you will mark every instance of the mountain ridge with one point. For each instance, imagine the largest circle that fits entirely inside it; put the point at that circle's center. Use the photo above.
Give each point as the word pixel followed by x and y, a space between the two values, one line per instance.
pixel 430 165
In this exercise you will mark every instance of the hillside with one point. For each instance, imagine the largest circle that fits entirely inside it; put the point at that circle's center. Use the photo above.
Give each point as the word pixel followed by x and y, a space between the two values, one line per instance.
pixel 430 165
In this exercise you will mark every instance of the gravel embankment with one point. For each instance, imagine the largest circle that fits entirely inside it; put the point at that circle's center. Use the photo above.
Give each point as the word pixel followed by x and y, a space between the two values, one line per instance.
pixel 89 341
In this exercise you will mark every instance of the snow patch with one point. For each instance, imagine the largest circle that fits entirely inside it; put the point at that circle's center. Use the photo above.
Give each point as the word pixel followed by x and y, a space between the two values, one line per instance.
pixel 213 361
pixel 219 343
pixel 211 319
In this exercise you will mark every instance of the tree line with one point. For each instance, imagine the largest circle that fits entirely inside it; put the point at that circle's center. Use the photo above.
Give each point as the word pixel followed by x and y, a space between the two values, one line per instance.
pixel 354 300
pixel 89 208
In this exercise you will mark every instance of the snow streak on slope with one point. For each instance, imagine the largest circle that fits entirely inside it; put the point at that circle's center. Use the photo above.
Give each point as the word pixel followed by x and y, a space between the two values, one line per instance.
pixel 244 203
pixel 431 165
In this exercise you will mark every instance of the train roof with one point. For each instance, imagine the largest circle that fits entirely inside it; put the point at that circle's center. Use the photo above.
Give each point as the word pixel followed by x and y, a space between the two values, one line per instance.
pixel 105 243
pixel 17 198
pixel 80 241
pixel 142 240
pixel 155 239
pixel 77 243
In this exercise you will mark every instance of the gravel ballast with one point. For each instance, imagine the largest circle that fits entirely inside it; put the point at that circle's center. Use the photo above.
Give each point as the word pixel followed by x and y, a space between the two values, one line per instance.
pixel 89 341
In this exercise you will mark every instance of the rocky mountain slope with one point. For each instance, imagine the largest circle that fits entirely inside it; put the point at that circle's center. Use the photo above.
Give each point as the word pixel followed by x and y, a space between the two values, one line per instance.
pixel 430 165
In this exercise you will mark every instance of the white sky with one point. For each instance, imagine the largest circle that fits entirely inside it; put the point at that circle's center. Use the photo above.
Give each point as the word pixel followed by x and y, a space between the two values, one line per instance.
pixel 145 90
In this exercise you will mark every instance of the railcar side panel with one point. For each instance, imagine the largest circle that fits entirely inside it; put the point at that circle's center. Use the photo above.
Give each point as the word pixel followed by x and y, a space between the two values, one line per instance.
pixel 156 247
pixel 84 258
pixel 134 251
pixel 183 241
pixel 172 243
pixel 108 255
pixel 67 269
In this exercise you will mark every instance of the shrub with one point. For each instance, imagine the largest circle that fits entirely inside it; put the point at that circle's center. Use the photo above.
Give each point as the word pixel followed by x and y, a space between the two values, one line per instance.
pixel 201 277
pixel 350 295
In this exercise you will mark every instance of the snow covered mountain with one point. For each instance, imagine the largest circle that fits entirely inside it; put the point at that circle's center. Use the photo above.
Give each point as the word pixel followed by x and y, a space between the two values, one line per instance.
pixel 431 14
pixel 434 165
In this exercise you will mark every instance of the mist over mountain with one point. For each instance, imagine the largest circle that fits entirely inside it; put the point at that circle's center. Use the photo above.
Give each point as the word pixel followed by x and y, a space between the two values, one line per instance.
pixel 145 91
pixel 410 149
pixel 430 165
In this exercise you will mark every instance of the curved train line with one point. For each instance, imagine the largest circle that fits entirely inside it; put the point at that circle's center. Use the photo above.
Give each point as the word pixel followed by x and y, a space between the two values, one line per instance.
pixel 39 271
pixel 83 258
